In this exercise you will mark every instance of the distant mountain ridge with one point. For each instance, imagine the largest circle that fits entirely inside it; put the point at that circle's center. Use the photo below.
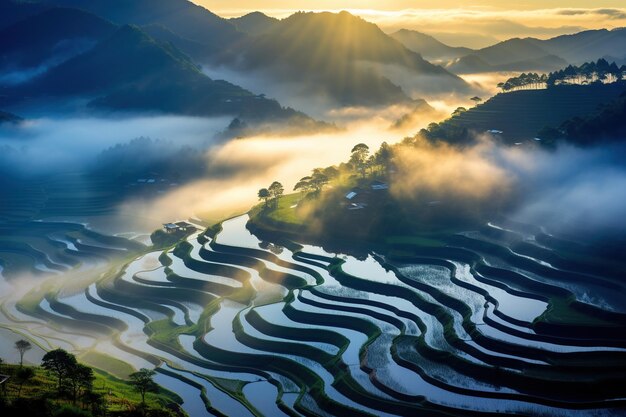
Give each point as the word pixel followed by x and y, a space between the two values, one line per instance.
pixel 540 108
pixel 428 46
pixel 60 32
pixel 131 71
pixel 521 54
pixel 341 55
pixel 255 23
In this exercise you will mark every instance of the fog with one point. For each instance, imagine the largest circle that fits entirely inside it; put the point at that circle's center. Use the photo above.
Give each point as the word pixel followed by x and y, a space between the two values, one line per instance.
pixel 239 168
pixel 558 188
pixel 572 190
pixel 48 145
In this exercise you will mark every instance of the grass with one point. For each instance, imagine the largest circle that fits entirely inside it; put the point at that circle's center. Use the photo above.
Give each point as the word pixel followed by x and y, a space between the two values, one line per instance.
pixel 284 214
pixel 115 367
pixel 119 394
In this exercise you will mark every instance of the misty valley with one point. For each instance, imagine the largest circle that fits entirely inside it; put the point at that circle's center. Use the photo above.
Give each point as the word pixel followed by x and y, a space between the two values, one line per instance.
pixel 379 211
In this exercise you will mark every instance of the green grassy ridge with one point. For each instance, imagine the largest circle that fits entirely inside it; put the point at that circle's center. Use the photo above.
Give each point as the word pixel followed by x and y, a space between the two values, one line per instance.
pixel 527 264
pixel 565 392
pixel 116 390
pixel 541 108
pixel 498 346
pixel 303 335
pixel 285 347
pixel 590 366
pixel 183 251
pixel 260 254
pixel 284 279
pixel 614 272
pixel 304 377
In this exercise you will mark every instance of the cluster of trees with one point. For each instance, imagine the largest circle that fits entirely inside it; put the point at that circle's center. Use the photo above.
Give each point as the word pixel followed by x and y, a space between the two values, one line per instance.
pixel 525 81
pixel 314 183
pixel 363 163
pixel 74 383
pixel 589 72
pixel 271 194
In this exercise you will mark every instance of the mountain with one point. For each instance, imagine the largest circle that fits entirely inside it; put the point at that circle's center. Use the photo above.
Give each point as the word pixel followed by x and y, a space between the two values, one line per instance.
pixel 474 64
pixel 184 18
pixel 427 46
pixel 511 55
pixel 255 23
pixel 340 56
pixel 531 54
pixel 12 11
pixel 50 37
pixel 511 50
pixel 9 118
pixel 520 115
pixel 131 71
pixel 586 46
pixel 606 124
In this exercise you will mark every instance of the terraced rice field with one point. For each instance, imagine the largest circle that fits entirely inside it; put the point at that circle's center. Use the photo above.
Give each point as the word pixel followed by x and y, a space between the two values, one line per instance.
pixel 541 108
pixel 497 322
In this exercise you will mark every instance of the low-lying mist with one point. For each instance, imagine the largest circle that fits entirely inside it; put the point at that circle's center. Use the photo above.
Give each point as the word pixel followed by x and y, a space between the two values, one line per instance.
pixel 559 188
pixel 49 145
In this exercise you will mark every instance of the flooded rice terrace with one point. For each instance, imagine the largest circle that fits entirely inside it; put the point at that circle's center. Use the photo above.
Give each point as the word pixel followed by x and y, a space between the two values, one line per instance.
pixel 238 327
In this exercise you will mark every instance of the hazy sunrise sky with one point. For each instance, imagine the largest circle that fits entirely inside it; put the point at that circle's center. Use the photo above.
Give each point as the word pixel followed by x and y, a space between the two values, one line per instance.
pixel 477 23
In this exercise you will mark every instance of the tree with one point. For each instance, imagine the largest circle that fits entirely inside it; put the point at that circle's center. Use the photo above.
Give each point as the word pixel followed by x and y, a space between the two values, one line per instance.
pixel 264 194
pixel 276 190
pixel 476 99
pixel 383 156
pixel 358 157
pixel 304 185
pixel 22 376
pixel 459 111
pixel 79 380
pixel 60 363
pixel 22 346
pixel 143 382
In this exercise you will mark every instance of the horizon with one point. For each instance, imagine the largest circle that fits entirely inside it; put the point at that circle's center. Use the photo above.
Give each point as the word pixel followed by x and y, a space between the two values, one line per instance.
pixel 475 26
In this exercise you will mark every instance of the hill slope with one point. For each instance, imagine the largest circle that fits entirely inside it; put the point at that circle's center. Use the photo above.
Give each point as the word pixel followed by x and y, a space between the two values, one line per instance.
pixel 586 46
pixel 255 23
pixel 520 115
pixel 511 55
pixel 182 17
pixel 52 35
pixel 339 55
pixel 427 46
pixel 131 71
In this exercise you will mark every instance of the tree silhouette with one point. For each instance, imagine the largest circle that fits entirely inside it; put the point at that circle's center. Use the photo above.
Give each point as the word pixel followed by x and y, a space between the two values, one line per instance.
pixel 358 157
pixel 276 190
pixel 142 381
pixel 264 194
pixel 22 346
pixel 22 376
pixel 60 363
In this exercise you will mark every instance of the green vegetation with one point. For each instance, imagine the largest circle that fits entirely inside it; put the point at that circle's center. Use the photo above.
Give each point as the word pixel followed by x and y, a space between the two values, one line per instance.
pixel 64 387
pixel 589 72
pixel 356 201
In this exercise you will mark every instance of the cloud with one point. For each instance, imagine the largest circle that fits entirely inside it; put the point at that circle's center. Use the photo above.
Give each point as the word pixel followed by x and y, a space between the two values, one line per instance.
pixel 617 14
pixel 45 145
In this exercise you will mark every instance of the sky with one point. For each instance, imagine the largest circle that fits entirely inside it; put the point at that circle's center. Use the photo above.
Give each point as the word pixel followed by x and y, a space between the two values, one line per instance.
pixel 458 23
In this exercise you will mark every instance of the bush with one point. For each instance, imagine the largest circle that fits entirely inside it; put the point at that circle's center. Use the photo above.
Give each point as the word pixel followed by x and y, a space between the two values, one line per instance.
pixel 71 411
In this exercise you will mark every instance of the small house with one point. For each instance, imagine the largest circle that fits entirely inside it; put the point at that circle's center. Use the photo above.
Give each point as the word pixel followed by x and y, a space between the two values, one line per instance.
pixel 178 227
pixel 351 195
pixel 184 226
pixel 170 227
pixel 379 185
